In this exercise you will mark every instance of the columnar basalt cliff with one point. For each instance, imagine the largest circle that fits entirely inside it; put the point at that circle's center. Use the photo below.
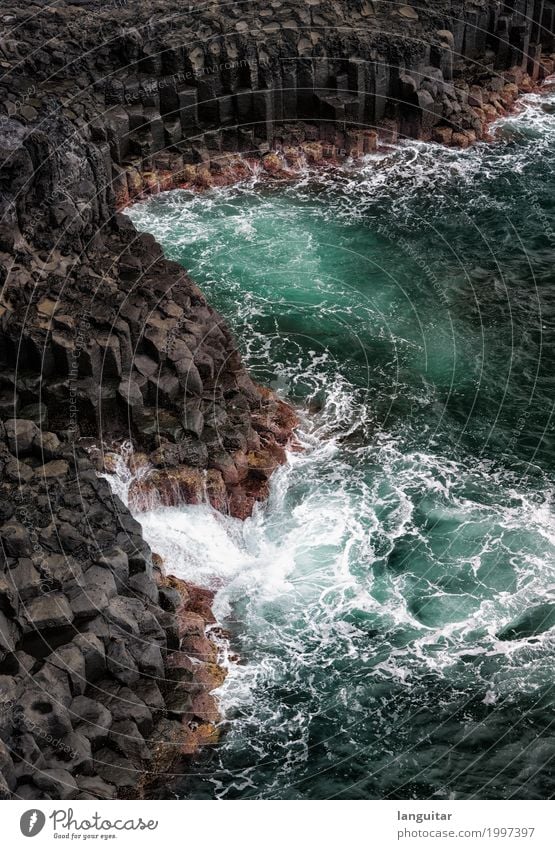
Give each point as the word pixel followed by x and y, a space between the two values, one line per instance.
pixel 102 104
pixel 104 340
pixel 105 667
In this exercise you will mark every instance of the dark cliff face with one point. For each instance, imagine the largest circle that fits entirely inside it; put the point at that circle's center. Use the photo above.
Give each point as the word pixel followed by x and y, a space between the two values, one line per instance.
pixel 101 337
pixel 97 691
pixel 104 101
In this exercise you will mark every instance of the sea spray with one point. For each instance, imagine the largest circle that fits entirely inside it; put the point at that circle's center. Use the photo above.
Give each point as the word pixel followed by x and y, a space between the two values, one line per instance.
pixel 407 308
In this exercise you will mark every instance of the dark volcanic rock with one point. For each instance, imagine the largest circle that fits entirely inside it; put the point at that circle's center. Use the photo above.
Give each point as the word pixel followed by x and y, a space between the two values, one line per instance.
pixel 83 677
pixel 124 343
pixel 103 340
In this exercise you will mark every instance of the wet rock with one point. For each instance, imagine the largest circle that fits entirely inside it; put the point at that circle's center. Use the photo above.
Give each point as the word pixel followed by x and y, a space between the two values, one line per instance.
pixel 197 599
pixel 201 648
pixel 209 675
pixel 460 140
pixel 198 735
pixel 443 135
pixel 169 488
pixel 190 624
pixel 204 708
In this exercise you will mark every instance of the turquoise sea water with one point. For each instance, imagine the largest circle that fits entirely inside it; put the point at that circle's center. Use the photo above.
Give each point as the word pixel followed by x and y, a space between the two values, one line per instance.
pixel 392 604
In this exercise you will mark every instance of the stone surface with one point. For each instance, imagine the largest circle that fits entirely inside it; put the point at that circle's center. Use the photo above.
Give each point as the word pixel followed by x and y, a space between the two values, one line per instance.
pixel 81 707
pixel 104 341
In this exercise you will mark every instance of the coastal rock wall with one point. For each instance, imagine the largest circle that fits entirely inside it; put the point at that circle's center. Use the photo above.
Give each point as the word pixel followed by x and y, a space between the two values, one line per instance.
pixel 104 103
pixel 103 340
pixel 105 668
pixel 254 78
pixel 159 88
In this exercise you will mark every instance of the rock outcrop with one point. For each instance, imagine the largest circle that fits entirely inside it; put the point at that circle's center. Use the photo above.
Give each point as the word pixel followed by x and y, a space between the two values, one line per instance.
pixel 106 669
pixel 101 336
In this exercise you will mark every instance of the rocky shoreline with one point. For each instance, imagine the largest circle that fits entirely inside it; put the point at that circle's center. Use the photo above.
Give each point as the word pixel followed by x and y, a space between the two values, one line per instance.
pixel 107 663
pixel 487 104
pixel 107 667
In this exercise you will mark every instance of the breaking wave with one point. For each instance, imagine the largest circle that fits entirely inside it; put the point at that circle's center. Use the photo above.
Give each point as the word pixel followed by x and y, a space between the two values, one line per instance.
pixel 392 604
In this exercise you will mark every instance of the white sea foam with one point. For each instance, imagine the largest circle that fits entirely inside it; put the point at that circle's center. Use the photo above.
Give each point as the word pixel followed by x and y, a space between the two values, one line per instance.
pixel 375 572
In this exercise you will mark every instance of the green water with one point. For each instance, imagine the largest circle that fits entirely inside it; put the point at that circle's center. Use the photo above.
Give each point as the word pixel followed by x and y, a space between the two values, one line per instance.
pixel 393 602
